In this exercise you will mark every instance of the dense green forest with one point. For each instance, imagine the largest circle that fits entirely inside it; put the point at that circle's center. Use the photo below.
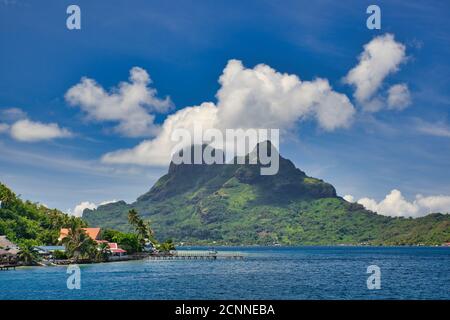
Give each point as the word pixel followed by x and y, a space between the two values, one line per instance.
pixel 25 221
pixel 233 204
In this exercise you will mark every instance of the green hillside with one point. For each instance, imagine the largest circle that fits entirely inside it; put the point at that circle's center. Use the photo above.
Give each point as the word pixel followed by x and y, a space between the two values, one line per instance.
pixel 24 220
pixel 234 204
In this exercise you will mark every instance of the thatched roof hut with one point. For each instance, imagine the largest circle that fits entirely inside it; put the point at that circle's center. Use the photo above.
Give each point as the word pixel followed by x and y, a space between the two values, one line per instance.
pixel 7 247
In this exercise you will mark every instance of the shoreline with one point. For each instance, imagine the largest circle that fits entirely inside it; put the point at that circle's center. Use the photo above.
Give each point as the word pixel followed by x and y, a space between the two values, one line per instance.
pixel 205 248
pixel 309 245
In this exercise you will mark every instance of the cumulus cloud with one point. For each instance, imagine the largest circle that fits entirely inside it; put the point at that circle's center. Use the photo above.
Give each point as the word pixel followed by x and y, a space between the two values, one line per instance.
pixel 398 97
pixel 381 57
pixel 79 208
pixel 263 97
pixel 258 97
pixel 439 203
pixel 395 204
pixel 157 151
pixel 129 104
pixel 30 131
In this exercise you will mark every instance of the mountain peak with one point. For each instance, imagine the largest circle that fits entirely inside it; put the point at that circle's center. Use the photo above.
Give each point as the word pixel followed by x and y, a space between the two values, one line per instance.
pixel 287 184
pixel 234 204
pixel 192 156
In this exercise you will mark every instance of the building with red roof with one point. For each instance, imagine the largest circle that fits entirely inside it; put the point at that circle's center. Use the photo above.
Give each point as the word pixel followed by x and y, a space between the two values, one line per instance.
pixel 94 234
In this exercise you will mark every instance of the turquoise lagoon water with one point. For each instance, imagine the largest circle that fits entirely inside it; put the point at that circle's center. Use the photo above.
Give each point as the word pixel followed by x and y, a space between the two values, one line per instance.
pixel 265 273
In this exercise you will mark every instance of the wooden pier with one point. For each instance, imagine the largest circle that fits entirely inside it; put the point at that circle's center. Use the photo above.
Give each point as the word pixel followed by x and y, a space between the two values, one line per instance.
pixel 197 255
pixel 6 267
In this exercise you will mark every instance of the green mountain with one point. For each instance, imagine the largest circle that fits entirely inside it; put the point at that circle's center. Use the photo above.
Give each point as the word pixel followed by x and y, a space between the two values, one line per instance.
pixel 234 204
pixel 27 221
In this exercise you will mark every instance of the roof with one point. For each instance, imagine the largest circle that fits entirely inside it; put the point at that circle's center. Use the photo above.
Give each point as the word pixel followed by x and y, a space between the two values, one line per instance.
pixel 4 252
pixel 6 244
pixel 93 233
pixel 114 248
pixel 51 248
pixel 113 245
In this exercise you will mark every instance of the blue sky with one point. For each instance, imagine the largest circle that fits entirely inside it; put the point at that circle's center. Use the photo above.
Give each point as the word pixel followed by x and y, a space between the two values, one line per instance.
pixel 185 46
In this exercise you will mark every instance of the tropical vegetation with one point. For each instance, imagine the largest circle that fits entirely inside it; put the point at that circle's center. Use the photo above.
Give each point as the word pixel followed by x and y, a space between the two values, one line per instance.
pixel 79 246
pixel 31 223
pixel 28 255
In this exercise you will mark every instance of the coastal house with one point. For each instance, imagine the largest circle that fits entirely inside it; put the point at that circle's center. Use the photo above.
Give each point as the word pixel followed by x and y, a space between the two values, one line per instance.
pixel 7 245
pixel 8 251
pixel 115 250
pixel 49 253
pixel 93 233
pixel 6 257
pixel 49 250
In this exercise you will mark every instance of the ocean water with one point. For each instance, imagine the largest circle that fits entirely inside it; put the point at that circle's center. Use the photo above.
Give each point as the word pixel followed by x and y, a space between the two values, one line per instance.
pixel 265 273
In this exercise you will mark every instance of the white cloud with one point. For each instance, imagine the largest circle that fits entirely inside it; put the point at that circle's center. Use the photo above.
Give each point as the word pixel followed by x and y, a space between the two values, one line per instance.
pixel 381 57
pixel 395 205
pixel 128 105
pixel 263 97
pixel 439 203
pixel 248 98
pixel 157 151
pixel 22 129
pixel 438 129
pixel 375 104
pixel 79 208
pixel 398 97
pixel 349 198
pixel 30 131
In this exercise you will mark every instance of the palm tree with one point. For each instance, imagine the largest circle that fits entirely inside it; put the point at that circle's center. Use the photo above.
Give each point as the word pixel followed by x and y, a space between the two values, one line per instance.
pixel 143 230
pixel 133 217
pixel 141 227
pixel 103 252
pixel 78 243
pixel 28 255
